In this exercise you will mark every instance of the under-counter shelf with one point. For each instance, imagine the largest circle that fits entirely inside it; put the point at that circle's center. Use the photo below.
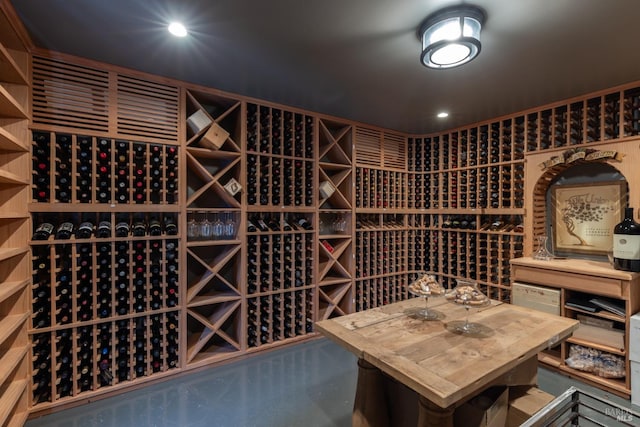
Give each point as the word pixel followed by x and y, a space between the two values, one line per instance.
pixel 581 280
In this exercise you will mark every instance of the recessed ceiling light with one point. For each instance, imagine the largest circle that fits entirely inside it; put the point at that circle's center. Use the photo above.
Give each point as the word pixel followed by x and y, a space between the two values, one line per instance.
pixel 443 114
pixel 177 29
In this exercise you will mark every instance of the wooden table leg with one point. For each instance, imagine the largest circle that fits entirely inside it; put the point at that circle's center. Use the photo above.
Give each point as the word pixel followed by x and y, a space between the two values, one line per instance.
pixel 431 415
pixel 370 405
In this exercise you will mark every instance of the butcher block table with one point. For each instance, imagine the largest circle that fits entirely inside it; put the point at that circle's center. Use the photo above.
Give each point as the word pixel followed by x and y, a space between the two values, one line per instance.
pixel 443 367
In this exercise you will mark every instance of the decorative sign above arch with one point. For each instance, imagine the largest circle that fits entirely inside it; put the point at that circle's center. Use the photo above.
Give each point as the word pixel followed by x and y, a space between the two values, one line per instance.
pixel 585 154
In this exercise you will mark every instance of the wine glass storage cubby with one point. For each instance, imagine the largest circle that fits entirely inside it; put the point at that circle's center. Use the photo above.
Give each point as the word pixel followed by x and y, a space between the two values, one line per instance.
pixel 214 262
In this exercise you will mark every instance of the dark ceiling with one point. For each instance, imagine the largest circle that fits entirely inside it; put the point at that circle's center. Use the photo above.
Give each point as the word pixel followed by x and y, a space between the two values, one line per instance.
pixel 356 59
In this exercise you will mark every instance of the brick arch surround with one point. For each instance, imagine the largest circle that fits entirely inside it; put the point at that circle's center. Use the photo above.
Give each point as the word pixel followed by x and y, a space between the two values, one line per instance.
pixel 538 180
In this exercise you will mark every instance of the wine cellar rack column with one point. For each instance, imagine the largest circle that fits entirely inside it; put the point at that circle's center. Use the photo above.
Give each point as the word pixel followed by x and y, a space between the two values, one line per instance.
pixel 214 251
pixel 105 235
pixel 105 264
pixel 335 249
pixel 471 181
pixel 14 225
pixel 281 225
pixel 383 260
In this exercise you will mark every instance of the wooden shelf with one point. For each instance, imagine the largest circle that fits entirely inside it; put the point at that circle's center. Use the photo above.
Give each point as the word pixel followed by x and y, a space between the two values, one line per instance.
pixel 10 361
pixel 11 252
pixel 10 397
pixel 9 324
pixel 8 142
pixel 9 69
pixel 617 386
pixel 9 288
pixel 10 107
pixel 600 347
pixel 586 278
pixel 10 178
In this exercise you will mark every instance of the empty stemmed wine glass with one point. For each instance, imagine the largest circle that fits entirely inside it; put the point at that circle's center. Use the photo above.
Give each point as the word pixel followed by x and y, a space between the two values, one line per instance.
pixel 217 228
pixel 229 226
pixel 193 229
pixel 205 227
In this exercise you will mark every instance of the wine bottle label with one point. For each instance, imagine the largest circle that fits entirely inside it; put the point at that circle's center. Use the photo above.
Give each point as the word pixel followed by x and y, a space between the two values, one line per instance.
pixel 43 231
pixel 626 246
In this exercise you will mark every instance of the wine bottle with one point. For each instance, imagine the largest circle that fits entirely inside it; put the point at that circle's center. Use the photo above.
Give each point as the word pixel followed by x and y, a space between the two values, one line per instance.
pixel 43 232
pixel 170 226
pixel 155 228
pixel 85 230
pixel 626 243
pixel 122 229
pixel 64 231
pixel 104 229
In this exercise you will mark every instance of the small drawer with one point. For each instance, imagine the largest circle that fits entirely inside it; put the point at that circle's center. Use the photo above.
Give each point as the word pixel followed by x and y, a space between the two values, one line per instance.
pixel 578 282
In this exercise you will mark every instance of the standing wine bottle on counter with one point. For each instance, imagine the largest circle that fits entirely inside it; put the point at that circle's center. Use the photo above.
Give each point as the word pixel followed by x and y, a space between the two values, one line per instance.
pixel 626 243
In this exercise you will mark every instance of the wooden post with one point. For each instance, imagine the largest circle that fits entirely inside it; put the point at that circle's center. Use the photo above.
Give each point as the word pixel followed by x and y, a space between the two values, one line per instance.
pixel 431 415
pixel 370 405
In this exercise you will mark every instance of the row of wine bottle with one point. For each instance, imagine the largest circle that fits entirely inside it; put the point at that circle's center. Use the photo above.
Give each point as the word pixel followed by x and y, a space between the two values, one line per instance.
pixel 381 252
pixel 376 292
pixel 87 225
pixel 507 140
pixel 79 283
pixel 377 188
pixel 485 145
pixel 266 222
pixel 71 361
pixel 73 168
pixel 279 316
pixel 279 181
pixel 279 261
pixel 274 131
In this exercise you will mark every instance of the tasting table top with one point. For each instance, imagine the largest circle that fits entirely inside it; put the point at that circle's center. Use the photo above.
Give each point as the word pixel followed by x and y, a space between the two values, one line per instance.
pixel 441 365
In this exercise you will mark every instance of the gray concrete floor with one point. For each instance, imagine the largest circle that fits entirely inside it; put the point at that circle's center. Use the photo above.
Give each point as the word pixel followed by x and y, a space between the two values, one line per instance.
pixel 311 384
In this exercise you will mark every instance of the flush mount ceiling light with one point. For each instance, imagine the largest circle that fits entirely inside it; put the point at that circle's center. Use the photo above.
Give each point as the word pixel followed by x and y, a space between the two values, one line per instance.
pixel 177 29
pixel 451 36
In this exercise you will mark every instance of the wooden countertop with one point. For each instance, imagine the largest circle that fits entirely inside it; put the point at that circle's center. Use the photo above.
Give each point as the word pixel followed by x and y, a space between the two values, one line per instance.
pixel 445 367
pixel 576 265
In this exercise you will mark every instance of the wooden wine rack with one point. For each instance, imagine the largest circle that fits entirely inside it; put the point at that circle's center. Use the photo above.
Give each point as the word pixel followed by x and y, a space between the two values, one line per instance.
pixel 281 149
pixel 14 223
pixel 106 307
pixel 355 214
pixel 335 229
pixel 214 267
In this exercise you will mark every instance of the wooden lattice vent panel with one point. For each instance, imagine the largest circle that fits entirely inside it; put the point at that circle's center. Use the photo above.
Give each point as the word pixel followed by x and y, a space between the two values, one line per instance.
pixel 375 148
pixel 79 97
pixel 394 151
pixel 70 95
pixel 368 147
pixel 147 109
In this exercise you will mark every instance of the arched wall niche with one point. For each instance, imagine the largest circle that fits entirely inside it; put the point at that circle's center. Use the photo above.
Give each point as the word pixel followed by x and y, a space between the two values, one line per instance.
pixel 538 180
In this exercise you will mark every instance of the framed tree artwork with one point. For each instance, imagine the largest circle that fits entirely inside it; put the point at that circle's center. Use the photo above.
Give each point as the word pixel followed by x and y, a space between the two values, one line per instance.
pixel 584 215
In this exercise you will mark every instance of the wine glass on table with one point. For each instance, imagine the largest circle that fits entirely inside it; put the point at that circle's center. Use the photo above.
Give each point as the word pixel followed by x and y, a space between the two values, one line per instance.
pixel 424 287
pixel 467 294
